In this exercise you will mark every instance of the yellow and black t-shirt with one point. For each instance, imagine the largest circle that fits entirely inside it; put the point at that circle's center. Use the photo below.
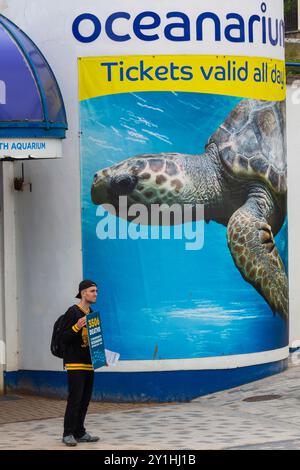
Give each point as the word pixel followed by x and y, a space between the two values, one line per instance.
pixel 77 352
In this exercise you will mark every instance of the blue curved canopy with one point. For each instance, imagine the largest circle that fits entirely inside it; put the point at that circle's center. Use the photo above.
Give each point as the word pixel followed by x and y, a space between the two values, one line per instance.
pixel 31 103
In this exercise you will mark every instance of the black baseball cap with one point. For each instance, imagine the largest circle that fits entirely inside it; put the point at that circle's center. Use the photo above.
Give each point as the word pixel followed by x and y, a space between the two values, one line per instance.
pixel 85 284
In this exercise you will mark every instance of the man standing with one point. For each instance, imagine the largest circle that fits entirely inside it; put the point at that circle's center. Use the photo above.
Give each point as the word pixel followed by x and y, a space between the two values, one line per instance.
pixel 78 363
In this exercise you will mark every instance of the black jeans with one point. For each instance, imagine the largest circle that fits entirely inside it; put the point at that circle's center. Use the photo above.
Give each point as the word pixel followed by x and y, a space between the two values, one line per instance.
pixel 80 386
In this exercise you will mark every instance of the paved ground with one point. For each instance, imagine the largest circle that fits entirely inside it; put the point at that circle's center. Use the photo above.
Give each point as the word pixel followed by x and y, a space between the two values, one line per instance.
pixel 18 408
pixel 268 419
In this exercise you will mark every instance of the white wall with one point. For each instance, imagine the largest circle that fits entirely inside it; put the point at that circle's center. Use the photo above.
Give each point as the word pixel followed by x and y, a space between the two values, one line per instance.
pixel 293 141
pixel 49 258
pixel 48 253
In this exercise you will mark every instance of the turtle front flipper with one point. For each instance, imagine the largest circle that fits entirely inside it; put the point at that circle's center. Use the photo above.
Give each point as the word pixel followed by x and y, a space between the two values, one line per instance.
pixel 253 249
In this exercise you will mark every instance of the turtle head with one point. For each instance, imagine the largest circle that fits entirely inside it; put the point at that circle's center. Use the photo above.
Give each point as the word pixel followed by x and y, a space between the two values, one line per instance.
pixel 144 179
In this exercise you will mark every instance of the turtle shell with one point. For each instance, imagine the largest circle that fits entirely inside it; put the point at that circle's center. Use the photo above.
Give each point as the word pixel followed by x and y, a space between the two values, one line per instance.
pixel 252 142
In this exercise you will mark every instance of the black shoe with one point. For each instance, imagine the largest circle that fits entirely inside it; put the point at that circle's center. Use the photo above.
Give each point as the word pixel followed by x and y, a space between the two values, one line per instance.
pixel 69 440
pixel 87 438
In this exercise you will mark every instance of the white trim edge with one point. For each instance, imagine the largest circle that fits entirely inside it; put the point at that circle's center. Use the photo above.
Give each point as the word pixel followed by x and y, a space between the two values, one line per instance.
pixel 205 363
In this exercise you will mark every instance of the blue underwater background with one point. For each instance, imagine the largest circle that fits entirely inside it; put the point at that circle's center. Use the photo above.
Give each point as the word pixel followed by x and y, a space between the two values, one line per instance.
pixel 156 299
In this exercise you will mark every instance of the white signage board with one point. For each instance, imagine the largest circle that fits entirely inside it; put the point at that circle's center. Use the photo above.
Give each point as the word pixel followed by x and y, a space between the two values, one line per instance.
pixel 21 149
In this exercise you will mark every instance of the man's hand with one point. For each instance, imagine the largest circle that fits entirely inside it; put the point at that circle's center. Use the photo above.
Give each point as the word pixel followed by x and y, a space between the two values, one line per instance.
pixel 81 323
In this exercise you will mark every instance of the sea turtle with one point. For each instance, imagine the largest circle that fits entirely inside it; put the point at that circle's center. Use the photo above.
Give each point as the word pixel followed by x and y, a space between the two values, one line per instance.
pixel 240 179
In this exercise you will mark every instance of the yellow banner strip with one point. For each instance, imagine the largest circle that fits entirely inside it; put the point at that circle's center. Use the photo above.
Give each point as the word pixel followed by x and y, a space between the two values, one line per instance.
pixel 245 77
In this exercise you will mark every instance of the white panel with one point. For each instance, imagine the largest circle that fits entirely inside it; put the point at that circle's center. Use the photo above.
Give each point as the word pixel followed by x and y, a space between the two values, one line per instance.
pixel 293 152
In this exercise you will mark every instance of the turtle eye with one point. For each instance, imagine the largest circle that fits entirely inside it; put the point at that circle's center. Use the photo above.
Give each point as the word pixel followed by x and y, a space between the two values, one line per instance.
pixel 123 184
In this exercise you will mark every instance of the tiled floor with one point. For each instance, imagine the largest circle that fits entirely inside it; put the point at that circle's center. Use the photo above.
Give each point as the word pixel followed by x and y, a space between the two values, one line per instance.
pixel 219 421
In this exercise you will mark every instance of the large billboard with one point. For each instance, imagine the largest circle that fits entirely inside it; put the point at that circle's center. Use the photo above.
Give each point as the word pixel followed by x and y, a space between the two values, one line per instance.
pixel 198 137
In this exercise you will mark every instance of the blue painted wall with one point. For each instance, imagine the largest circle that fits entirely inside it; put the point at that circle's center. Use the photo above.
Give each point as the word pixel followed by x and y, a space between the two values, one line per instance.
pixel 143 386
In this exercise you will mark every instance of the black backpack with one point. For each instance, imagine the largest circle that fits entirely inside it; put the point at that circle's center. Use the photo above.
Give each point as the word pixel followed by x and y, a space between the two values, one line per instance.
pixel 57 346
